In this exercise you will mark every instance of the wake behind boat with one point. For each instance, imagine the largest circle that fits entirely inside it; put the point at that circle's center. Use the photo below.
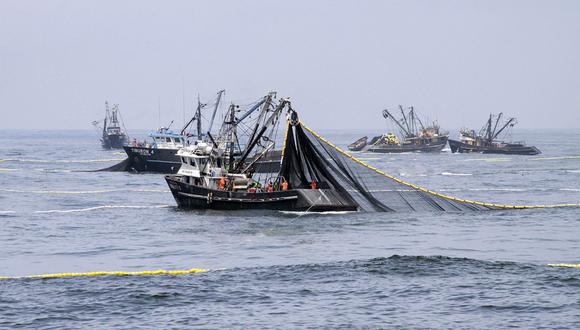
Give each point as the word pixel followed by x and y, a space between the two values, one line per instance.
pixel 486 141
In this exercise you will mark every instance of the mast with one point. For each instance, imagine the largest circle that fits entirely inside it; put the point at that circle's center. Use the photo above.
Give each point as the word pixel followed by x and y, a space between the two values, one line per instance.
pixel 254 140
pixel 217 104
pixel 266 102
pixel 231 134
pixel 387 114
pixel 404 117
pixel 417 117
pixel 192 118
pixel 488 129
pixel 496 123
pixel 114 120
pixel 509 122
pixel 198 116
pixel 106 117
pixel 412 115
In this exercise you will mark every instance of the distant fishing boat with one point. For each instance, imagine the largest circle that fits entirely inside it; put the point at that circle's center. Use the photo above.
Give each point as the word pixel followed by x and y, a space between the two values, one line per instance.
pixel 486 141
pixel 160 153
pixel 113 136
pixel 359 144
pixel 415 136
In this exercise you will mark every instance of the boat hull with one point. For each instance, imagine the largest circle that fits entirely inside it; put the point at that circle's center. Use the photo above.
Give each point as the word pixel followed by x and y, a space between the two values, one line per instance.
pixel 427 147
pixel 358 145
pixel 114 141
pixel 514 149
pixel 166 161
pixel 147 159
pixel 190 196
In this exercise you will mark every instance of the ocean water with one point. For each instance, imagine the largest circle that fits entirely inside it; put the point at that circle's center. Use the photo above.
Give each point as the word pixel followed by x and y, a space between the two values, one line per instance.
pixel 287 270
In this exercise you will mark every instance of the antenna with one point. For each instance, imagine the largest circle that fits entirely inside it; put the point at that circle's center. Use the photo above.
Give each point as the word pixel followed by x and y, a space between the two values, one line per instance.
pixel 159 111
pixel 183 96
pixel 217 104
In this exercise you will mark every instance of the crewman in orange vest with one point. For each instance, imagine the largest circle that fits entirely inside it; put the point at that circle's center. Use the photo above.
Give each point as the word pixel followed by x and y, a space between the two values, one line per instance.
pixel 222 183
pixel 269 187
pixel 284 185
pixel 313 185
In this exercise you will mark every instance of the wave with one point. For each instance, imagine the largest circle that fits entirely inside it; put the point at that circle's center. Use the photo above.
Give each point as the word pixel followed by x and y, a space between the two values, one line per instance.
pixel 95 208
pixel 555 158
pixel 456 174
pixel 570 189
pixel 487 189
pixel 80 192
pixel 491 160
pixel 61 161
pixel 52 170
pixel 369 158
pixel 302 213
pixel 419 265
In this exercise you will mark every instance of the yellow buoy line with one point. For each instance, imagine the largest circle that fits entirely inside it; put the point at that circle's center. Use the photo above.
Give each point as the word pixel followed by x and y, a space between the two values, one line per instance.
pixel 564 265
pixel 497 206
pixel 111 273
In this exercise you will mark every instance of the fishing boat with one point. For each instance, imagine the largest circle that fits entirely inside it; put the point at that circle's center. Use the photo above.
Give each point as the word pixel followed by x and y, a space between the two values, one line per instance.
pixel 113 136
pixel 211 178
pixel 159 155
pixel 414 136
pixel 359 144
pixel 487 140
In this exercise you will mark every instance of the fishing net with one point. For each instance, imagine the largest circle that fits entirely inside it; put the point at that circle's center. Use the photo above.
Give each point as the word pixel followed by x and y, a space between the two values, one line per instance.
pixel 308 157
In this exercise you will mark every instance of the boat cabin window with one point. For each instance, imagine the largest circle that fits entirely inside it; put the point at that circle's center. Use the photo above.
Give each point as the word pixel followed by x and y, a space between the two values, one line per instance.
pixel 168 140
pixel 177 140
pixel 202 162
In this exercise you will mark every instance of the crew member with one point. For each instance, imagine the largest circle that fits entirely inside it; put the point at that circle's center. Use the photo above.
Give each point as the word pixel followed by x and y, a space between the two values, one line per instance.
pixel 222 183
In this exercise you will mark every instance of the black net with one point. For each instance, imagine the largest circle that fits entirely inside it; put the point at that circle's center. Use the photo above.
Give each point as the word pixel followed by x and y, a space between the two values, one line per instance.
pixel 309 158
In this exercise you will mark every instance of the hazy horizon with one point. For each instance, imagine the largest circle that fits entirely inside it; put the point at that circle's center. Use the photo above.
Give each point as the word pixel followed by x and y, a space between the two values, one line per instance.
pixel 340 62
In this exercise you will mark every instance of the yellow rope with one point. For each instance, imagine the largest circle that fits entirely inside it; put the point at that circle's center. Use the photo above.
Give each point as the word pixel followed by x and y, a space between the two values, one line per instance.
pixel 117 273
pixel 565 265
pixel 501 206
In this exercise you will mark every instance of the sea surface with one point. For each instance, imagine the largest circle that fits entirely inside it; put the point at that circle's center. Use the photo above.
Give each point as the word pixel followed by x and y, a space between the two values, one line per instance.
pixel 473 270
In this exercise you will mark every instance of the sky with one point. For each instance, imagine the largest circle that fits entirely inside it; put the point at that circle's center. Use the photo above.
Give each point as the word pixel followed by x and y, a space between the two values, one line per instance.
pixel 340 62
